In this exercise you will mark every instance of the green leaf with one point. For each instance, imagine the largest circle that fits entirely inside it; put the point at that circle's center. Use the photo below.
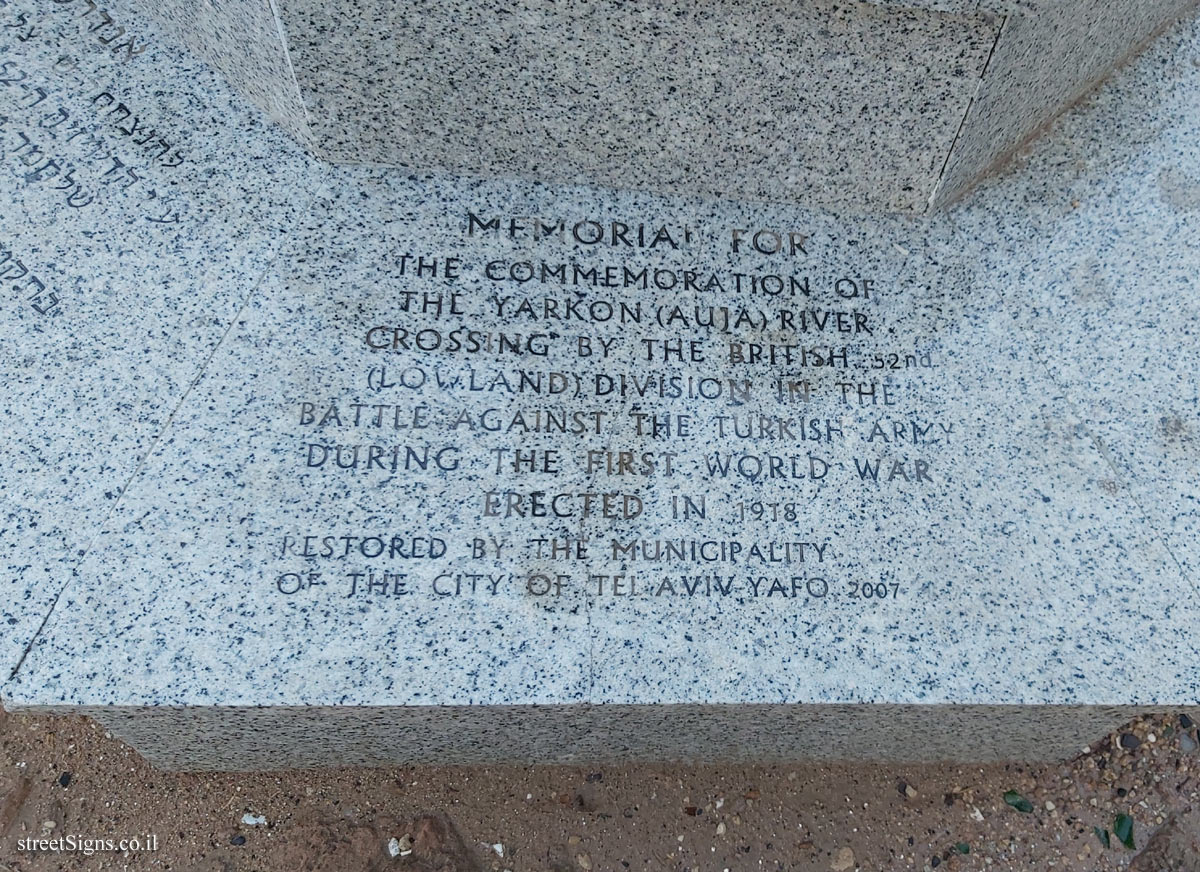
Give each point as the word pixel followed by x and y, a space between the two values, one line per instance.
pixel 1018 802
pixel 963 848
pixel 1123 830
pixel 1102 835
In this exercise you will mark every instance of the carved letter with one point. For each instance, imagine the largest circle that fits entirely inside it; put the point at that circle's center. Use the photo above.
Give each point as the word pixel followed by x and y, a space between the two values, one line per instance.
pixel 97 146
pixel 23 144
pixel 48 306
pixel 61 115
pixel 105 23
pixel 133 128
pixel 67 181
pixel 40 91
pixel 78 192
pixel 33 157
pixel 21 75
pixel 42 173
pixel 18 266
pixel 167 218
pixel 130 50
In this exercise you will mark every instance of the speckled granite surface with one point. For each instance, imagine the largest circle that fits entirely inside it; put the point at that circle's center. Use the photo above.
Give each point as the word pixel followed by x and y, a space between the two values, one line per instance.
pixel 915 552
pixel 895 106
pixel 693 98
pixel 1114 198
pixel 245 738
pixel 245 42
pixel 133 183
pixel 972 488
pixel 1044 60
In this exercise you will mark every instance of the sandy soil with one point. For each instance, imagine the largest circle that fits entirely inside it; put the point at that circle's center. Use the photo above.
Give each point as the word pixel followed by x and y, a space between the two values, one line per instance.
pixel 62 777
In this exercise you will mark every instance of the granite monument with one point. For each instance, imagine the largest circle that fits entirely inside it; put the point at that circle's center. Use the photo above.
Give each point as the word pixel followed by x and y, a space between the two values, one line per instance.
pixel 311 465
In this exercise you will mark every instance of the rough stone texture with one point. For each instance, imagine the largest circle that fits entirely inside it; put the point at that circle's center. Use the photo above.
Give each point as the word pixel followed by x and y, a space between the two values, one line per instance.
pixel 132 181
pixel 1116 319
pixel 216 738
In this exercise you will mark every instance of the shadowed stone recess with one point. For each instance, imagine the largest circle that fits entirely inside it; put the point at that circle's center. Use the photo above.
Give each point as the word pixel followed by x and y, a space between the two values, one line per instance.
pixel 862 105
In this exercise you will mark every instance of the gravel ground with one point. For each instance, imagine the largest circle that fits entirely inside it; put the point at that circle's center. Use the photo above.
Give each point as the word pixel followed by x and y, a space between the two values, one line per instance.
pixel 63 777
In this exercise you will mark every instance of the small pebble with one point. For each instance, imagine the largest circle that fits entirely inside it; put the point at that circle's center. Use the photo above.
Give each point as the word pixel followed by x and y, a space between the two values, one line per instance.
pixel 499 849
pixel 64 779
pixel 1129 741
pixel 239 839
pixel 401 847
pixel 842 860
pixel 583 861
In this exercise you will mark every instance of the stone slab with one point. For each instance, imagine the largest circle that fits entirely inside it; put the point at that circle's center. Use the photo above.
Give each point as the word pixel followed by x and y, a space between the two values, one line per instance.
pixel 1011 569
pixel 706 97
pixel 1018 596
pixel 134 182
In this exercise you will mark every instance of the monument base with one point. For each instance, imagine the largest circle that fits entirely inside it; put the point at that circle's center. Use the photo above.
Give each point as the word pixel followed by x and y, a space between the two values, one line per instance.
pixel 287 737
pixel 451 470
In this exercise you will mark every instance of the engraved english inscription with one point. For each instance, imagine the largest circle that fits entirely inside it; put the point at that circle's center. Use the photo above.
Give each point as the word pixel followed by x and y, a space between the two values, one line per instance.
pixel 616 417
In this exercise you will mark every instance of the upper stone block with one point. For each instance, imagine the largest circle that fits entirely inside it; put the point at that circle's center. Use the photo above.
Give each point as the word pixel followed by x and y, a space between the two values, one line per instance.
pixel 868 106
